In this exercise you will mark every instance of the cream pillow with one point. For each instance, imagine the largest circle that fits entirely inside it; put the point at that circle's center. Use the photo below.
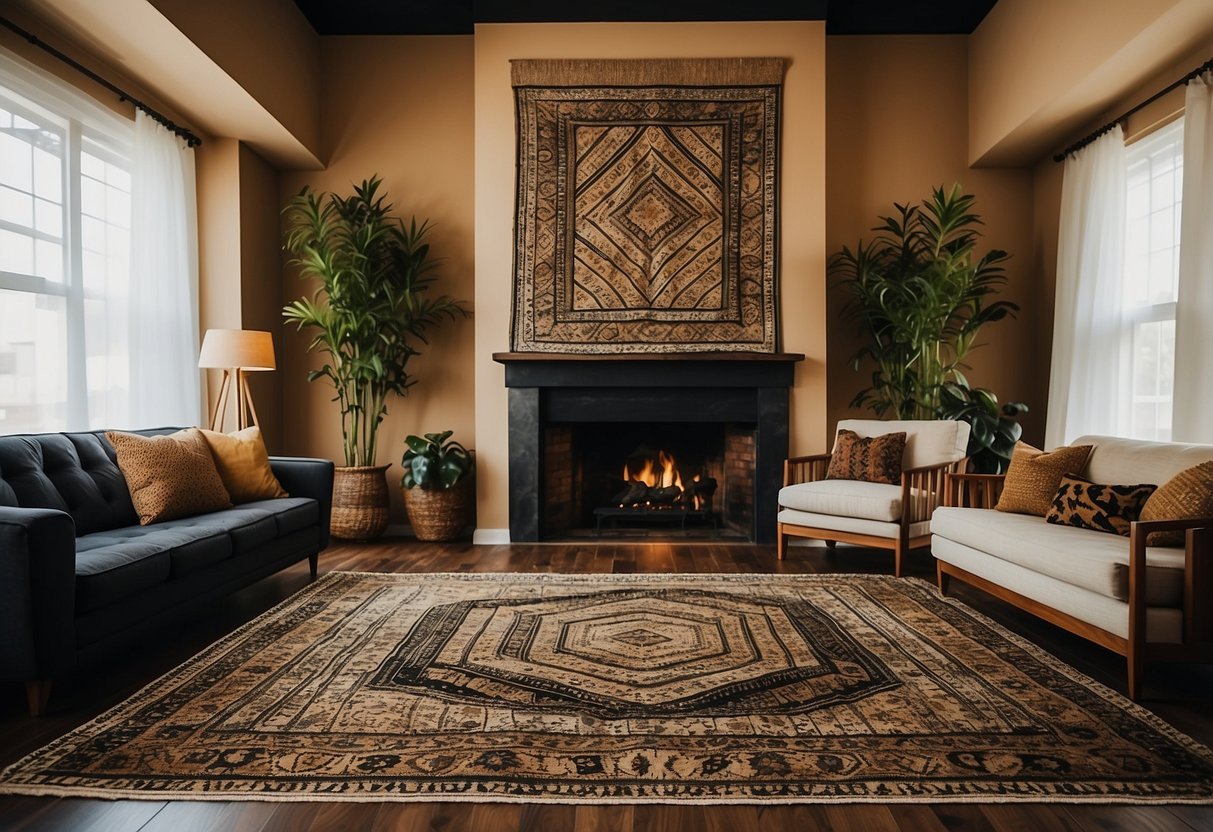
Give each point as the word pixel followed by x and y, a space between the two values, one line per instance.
pixel 169 476
pixel 244 465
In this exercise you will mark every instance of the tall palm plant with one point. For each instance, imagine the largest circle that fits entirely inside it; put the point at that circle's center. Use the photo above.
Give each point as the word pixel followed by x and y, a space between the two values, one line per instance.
pixel 921 294
pixel 370 309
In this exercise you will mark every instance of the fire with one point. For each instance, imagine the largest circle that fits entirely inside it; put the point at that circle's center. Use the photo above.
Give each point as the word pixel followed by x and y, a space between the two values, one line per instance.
pixel 658 483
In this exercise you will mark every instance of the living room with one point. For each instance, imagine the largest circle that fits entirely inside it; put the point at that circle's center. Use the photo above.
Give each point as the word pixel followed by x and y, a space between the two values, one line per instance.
pixel 325 95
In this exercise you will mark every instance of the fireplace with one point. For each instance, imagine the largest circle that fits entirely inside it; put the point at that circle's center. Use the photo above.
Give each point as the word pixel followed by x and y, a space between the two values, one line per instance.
pixel 712 428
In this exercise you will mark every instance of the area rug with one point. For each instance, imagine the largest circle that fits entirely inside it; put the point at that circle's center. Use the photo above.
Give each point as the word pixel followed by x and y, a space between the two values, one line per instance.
pixel 647 219
pixel 610 688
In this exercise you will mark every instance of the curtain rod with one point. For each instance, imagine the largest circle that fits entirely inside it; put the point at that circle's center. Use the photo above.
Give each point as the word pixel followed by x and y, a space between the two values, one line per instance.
pixel 190 138
pixel 1086 140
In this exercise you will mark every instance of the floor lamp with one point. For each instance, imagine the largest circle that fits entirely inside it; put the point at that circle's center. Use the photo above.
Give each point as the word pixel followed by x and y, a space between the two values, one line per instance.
pixel 236 352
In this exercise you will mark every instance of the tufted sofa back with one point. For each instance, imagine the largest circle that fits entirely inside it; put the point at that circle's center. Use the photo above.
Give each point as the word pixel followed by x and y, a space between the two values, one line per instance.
pixel 71 472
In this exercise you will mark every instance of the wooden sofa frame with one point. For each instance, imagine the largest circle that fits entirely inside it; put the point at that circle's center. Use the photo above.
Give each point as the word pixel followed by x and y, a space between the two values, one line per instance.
pixel 921 489
pixel 982 491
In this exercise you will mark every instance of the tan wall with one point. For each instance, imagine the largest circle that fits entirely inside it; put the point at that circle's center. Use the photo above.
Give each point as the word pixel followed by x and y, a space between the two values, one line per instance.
pixel 896 115
pixel 1040 69
pixel 400 107
pixel 274 54
pixel 802 244
pixel 261 283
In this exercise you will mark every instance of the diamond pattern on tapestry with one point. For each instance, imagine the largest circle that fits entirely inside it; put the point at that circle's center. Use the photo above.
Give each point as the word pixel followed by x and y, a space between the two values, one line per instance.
pixel 646 219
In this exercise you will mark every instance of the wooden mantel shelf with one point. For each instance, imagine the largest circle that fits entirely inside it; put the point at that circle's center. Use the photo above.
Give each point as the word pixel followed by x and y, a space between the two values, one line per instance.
pixel 511 357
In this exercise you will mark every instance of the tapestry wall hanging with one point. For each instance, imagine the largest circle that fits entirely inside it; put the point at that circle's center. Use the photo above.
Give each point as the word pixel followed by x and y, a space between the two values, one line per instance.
pixel 647 215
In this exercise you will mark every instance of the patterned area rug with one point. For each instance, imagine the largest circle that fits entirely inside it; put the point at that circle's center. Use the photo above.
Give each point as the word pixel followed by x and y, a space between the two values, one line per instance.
pixel 646 206
pixel 614 688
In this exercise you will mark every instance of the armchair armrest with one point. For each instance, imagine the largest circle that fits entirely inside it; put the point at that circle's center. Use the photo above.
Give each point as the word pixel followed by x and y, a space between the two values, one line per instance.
pixel 922 489
pixel 973 490
pixel 800 469
pixel 37 593
pixel 307 477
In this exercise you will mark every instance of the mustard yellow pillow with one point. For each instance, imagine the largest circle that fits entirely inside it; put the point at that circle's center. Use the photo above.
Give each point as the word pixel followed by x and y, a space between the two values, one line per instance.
pixel 244 465
pixel 1033 477
pixel 169 476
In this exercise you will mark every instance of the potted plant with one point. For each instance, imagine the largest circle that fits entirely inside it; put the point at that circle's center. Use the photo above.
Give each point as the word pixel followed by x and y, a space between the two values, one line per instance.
pixel 369 313
pixel 437 485
pixel 920 293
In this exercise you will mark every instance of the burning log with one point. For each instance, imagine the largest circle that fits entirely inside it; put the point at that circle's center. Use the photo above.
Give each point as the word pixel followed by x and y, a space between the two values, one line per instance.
pixel 662 496
pixel 634 493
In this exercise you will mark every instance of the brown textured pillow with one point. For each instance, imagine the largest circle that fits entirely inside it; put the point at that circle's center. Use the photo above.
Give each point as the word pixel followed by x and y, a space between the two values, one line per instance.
pixel 169 476
pixel 871 458
pixel 1102 508
pixel 1187 495
pixel 1033 477
pixel 244 465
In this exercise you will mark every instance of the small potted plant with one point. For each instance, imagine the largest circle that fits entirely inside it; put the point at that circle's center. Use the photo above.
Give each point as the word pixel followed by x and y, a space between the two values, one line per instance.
pixel 437 485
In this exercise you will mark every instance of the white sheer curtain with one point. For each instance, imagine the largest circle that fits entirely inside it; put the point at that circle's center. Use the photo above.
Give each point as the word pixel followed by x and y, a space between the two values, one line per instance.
pixel 1085 383
pixel 165 380
pixel 1193 404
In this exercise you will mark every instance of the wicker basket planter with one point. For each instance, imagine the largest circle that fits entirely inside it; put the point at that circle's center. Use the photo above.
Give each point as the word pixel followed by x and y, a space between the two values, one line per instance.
pixel 360 502
pixel 440 513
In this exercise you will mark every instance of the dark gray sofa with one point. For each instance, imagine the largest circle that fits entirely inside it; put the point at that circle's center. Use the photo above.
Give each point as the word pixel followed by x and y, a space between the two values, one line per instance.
pixel 80 578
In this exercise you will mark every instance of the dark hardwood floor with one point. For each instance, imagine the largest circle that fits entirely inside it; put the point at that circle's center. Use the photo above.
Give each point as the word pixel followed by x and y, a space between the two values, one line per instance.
pixel 1180 694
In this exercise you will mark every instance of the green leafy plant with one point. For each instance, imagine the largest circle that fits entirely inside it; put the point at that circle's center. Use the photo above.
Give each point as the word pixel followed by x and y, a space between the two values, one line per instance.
pixel 994 430
pixel 920 294
pixel 434 461
pixel 370 310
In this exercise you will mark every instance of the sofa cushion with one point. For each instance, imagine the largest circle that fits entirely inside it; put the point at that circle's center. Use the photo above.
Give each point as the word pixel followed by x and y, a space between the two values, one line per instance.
pixel 1092 560
pixel 1135 460
pixel 116 563
pixel 244 465
pixel 169 476
pixel 253 524
pixel 1098 507
pixel 1186 496
pixel 1033 477
pixel 867 458
pixel 844 498
pixel 25 483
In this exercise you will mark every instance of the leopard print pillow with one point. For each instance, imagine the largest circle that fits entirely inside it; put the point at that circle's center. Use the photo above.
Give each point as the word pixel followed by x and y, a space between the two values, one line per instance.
pixel 169 476
pixel 871 459
pixel 1101 508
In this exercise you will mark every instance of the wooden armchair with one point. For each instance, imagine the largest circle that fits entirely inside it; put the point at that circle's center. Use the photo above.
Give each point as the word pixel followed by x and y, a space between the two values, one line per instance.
pixel 895 517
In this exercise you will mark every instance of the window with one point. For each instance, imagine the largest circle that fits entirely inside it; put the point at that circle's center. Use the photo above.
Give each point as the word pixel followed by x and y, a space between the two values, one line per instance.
pixel 64 252
pixel 1154 197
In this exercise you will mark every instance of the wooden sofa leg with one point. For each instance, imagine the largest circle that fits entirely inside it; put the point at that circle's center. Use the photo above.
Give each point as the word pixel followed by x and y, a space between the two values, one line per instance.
pixel 37 694
pixel 1136 666
pixel 313 562
pixel 898 551
pixel 831 544
pixel 781 544
pixel 942 579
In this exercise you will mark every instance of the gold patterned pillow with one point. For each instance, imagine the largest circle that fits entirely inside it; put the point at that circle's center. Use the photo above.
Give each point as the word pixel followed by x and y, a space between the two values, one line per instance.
pixel 244 465
pixel 1101 508
pixel 169 476
pixel 1187 495
pixel 1033 477
pixel 871 458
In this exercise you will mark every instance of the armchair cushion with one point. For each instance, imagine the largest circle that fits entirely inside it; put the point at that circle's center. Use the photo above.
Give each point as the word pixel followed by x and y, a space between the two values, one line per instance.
pixel 928 442
pixel 853 525
pixel 844 498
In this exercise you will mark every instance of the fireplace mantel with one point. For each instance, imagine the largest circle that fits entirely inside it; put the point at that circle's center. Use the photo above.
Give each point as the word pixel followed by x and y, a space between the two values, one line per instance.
pixel 547 388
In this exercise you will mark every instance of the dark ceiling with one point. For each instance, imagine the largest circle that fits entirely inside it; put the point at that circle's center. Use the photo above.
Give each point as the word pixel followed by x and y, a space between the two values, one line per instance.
pixel 456 17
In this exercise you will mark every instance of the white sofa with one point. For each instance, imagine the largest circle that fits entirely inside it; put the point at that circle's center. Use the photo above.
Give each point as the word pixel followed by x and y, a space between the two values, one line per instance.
pixel 879 515
pixel 1146 603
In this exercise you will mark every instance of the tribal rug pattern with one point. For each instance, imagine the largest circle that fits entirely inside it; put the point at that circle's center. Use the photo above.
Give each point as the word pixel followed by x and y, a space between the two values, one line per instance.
pixel 623 688
pixel 646 217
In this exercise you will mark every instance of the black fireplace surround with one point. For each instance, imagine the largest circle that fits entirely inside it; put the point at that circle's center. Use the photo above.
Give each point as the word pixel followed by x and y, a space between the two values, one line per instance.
pixel 548 389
